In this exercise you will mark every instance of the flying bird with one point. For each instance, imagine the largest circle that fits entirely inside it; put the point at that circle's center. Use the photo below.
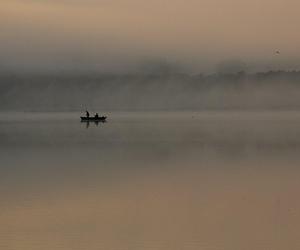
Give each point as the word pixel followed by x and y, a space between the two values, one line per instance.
pixel 277 52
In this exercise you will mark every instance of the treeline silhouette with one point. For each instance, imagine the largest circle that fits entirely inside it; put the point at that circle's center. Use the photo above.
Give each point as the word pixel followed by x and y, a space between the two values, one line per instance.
pixel 155 91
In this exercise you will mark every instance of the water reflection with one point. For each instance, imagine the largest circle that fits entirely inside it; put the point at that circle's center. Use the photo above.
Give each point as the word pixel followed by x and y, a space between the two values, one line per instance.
pixel 160 181
pixel 87 123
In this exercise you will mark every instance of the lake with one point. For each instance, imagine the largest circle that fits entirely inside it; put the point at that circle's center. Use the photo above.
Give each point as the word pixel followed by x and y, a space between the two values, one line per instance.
pixel 150 181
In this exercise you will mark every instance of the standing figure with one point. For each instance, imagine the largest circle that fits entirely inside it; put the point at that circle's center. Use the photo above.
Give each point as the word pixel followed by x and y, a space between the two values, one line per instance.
pixel 87 114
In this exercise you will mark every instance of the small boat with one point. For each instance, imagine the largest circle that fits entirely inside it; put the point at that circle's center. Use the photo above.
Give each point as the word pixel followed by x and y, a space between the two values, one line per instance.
pixel 93 119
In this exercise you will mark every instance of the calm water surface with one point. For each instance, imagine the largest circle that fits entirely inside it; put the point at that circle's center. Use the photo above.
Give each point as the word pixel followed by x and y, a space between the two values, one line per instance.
pixel 150 181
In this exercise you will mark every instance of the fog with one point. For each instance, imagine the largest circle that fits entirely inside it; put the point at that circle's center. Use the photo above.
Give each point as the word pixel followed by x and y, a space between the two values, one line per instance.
pixel 201 145
pixel 116 36
pixel 155 87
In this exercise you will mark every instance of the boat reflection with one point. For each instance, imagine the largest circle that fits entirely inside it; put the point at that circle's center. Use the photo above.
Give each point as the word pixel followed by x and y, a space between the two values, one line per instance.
pixel 87 123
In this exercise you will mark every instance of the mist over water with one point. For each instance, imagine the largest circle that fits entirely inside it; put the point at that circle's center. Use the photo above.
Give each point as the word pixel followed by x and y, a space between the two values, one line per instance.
pixel 158 86
pixel 150 180
pixel 201 147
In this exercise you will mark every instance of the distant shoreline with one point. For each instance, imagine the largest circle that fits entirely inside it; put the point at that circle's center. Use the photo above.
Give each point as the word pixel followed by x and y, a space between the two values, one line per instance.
pixel 273 90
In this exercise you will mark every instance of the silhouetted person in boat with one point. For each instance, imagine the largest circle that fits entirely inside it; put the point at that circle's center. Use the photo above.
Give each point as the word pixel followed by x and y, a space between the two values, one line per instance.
pixel 96 116
pixel 87 114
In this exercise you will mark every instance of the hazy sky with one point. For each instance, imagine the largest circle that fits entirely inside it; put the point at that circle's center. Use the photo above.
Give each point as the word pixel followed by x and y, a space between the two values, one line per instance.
pixel 118 34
